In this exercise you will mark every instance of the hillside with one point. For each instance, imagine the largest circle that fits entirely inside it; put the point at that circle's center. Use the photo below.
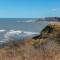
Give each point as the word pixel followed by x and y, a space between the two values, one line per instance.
pixel 47 47
pixel 48 19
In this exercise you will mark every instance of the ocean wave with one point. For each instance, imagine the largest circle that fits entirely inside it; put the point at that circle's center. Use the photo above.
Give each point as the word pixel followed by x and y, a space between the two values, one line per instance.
pixel 31 33
pixel 2 31
pixel 27 21
pixel 18 35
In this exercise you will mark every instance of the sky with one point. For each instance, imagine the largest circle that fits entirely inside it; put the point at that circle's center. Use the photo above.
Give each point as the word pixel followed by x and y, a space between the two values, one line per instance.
pixel 29 8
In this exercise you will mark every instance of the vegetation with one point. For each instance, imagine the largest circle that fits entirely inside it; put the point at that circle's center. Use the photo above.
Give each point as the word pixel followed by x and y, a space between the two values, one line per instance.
pixel 45 48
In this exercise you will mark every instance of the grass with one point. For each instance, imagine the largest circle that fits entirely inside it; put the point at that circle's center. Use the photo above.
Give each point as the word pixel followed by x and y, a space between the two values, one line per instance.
pixel 40 49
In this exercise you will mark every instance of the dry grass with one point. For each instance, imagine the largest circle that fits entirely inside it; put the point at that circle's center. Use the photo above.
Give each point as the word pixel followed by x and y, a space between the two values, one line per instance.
pixel 43 49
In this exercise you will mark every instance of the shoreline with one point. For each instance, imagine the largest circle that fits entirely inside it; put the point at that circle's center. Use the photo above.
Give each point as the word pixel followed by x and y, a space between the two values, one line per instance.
pixel 35 49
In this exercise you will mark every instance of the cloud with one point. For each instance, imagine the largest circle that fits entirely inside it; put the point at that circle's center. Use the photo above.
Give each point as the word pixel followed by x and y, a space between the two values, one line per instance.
pixel 54 9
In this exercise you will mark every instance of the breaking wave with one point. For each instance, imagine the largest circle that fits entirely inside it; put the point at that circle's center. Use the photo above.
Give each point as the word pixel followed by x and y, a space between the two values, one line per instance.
pixel 27 21
pixel 13 35
pixel 2 31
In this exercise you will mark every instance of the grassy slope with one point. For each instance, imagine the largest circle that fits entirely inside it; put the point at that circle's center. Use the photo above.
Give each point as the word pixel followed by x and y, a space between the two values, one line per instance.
pixel 46 48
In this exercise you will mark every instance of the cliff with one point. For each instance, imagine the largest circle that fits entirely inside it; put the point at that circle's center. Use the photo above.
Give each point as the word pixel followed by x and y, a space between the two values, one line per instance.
pixel 47 47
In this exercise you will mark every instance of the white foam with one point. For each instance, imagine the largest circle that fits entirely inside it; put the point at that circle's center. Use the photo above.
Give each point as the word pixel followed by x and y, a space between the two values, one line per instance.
pixel 2 31
pixel 18 35
pixel 28 21
pixel 15 31
pixel 12 33
pixel 31 33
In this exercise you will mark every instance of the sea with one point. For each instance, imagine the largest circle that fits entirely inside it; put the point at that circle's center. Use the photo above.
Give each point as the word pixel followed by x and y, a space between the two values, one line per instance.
pixel 20 28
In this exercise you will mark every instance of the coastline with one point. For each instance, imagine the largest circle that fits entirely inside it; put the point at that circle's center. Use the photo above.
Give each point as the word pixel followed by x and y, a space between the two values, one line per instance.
pixel 45 48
